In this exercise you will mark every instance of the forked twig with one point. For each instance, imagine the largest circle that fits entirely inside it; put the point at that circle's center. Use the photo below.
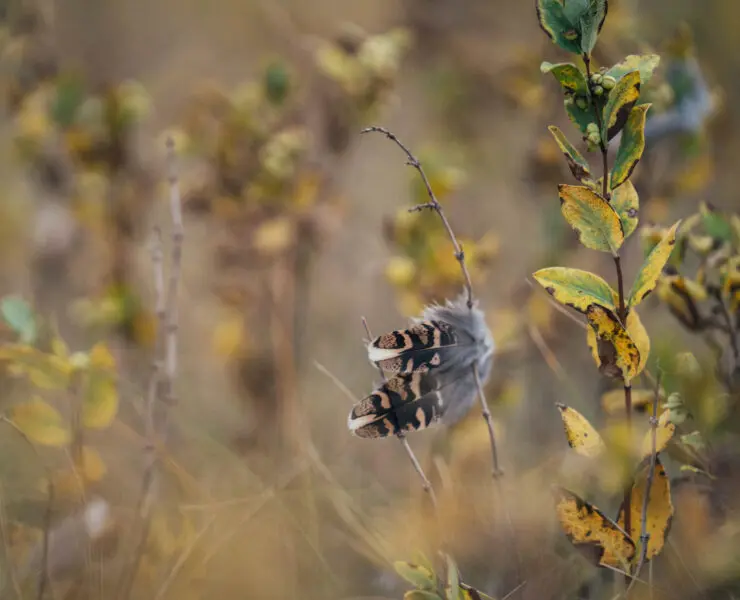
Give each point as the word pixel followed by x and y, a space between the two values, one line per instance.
pixel 434 205
pixel 405 443
pixel 644 534
pixel 161 385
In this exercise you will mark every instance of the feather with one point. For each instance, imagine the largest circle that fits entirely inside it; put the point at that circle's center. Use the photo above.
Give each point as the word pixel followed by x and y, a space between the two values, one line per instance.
pixel 406 402
pixel 407 350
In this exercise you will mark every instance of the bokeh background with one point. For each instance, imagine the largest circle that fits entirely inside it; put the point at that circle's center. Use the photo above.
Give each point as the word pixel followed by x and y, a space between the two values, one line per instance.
pixel 295 227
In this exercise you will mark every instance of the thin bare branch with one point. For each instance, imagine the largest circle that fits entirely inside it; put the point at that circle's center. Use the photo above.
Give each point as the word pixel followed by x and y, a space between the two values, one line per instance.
pixel 644 534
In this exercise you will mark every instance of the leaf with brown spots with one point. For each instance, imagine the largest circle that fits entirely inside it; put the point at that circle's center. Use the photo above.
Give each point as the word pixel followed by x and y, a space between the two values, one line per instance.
pixel 614 350
pixel 586 526
pixel 631 146
pixel 613 401
pixel 576 163
pixel 576 288
pixel 627 204
pixel 594 219
pixel 621 100
pixel 651 269
pixel 570 77
pixel 581 435
pixel 639 335
pixel 659 508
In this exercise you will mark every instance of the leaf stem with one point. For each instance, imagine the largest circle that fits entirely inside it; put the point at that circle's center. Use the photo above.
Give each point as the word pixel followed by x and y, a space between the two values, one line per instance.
pixel 603 144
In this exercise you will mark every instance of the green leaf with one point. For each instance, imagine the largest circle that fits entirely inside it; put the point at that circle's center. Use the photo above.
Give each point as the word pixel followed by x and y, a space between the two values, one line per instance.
pixel 644 63
pixel 421 595
pixel 569 76
pixel 70 94
pixel 18 314
pixel 575 288
pixel 621 100
pixel 715 223
pixel 581 117
pixel 576 163
pixel 594 219
pixel 590 24
pixel 651 269
pixel 453 580
pixel 41 423
pixel 554 22
pixel 416 575
pixel 631 146
pixel 627 204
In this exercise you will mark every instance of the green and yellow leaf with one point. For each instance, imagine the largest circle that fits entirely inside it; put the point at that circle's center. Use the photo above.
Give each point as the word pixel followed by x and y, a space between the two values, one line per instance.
pixel 663 434
pixel 45 371
pixel 644 63
pixel 569 76
pixel 100 403
pixel 647 278
pixel 621 100
pixel 576 288
pixel 581 435
pixel 631 146
pixel 41 423
pixel 640 337
pixel 421 595
pixel 614 350
pixel 585 525
pixel 470 593
pixel 576 163
pixel 659 509
pixel 417 575
pixel 453 580
pixel 555 23
pixel 627 205
pixel 594 219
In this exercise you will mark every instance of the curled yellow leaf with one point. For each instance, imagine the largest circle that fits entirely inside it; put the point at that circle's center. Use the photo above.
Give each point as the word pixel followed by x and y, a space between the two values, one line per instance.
pixel 581 435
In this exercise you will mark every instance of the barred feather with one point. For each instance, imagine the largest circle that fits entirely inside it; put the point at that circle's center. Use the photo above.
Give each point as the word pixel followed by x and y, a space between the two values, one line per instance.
pixel 406 402
pixel 447 340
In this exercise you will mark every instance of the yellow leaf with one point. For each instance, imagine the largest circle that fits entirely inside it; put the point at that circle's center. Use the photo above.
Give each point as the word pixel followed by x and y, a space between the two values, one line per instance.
pixel 100 404
pixel 621 100
pixel 614 351
pixel 575 288
pixel 45 371
pixel 659 509
pixel 41 423
pixel 594 219
pixel 581 435
pixel 576 163
pixel 274 236
pixel 639 335
pixel 663 434
pixel 101 358
pixel 613 401
pixel 400 270
pixel 626 203
pixel 585 525
pixel 93 467
pixel 228 335
pixel 651 269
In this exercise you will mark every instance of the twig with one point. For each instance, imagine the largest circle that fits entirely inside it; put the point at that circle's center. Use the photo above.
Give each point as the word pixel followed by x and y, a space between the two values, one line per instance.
pixel 434 205
pixel 6 547
pixel 644 535
pixel 425 484
pixel 160 391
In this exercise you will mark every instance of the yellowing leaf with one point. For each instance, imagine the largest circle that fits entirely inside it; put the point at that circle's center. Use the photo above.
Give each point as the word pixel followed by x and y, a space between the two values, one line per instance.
pixel 569 76
pixel 621 100
pixel 663 434
pixel 575 288
pixel 576 163
pixel 639 335
pixel 228 335
pixel 93 467
pixel 421 595
pixel 417 575
pixel 585 525
pixel 581 435
pixel 631 146
pixel 470 593
pixel 274 237
pixel 645 64
pixel 614 350
pixel 594 219
pixel 41 423
pixel 626 203
pixel 101 358
pixel 613 401
pixel 100 404
pixel 659 509
pixel 46 371
pixel 651 269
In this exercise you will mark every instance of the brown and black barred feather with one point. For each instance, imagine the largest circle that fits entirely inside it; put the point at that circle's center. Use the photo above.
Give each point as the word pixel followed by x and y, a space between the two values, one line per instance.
pixel 406 402
pixel 408 350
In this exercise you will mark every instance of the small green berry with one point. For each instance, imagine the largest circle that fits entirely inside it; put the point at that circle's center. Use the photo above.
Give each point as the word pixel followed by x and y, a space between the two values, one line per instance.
pixel 608 82
pixel 596 78
pixel 598 90
pixel 569 101
pixel 594 138
pixel 592 127
pixel 582 102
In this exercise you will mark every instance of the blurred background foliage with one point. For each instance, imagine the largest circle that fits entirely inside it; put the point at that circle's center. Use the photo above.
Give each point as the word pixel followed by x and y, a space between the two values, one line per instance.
pixel 295 227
